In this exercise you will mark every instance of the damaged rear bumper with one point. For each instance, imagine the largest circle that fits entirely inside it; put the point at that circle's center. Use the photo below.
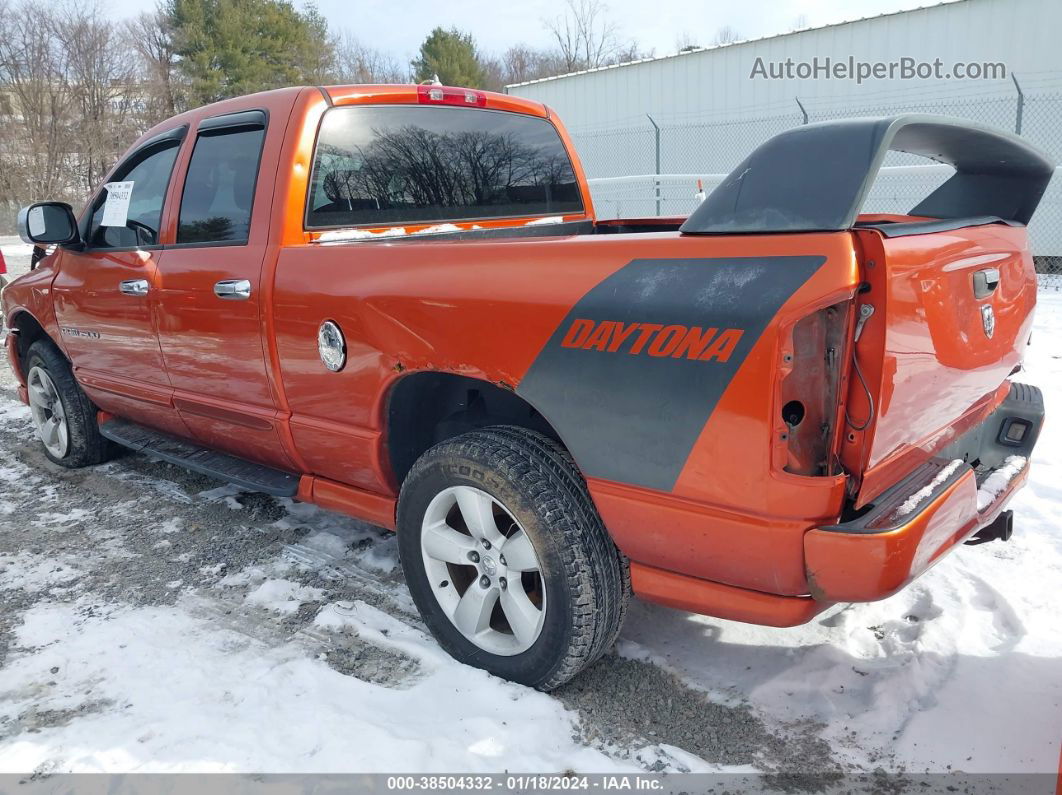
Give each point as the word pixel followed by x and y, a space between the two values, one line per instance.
pixel 944 502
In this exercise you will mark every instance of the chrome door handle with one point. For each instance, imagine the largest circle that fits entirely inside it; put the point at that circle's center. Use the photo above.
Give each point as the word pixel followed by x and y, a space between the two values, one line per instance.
pixel 133 287
pixel 233 289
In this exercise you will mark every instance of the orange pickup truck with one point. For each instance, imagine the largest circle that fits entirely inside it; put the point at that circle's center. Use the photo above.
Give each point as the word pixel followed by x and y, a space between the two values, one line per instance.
pixel 396 302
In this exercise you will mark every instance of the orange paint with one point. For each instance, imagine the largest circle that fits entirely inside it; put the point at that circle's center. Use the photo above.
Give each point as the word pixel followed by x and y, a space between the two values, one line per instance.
pixel 722 601
pixel 933 370
pixel 851 567
pixel 345 499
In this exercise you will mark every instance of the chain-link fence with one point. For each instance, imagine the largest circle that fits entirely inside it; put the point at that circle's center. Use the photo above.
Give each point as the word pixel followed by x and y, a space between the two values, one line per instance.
pixel 653 166
pixel 1049 272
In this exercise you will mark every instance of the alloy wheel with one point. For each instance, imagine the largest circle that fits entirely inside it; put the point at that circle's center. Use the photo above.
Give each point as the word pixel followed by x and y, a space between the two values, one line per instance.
pixel 48 413
pixel 483 570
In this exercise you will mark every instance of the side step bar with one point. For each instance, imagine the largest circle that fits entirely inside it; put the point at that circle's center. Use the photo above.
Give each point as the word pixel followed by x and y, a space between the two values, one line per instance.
pixel 246 474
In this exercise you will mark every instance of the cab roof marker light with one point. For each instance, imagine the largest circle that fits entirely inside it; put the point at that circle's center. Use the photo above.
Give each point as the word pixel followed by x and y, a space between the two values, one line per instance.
pixel 445 95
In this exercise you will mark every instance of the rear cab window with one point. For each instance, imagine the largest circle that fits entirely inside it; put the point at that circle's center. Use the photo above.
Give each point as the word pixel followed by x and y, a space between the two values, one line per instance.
pixel 392 165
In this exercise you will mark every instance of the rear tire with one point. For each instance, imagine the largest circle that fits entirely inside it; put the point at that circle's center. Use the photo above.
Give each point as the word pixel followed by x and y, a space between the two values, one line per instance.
pixel 519 491
pixel 63 415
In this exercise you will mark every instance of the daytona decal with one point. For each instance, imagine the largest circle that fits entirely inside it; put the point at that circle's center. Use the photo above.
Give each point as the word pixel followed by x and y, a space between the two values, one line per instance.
pixel 653 339
pixel 633 373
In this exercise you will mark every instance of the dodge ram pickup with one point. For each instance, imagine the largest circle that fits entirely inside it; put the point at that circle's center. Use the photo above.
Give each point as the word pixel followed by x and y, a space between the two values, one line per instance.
pixel 397 302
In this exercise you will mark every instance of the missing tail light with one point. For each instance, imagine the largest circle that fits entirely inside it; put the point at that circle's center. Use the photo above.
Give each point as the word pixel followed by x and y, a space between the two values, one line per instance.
pixel 809 391
pixel 793 413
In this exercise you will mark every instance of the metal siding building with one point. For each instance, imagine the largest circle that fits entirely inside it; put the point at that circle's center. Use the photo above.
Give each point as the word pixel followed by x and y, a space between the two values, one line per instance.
pixel 711 113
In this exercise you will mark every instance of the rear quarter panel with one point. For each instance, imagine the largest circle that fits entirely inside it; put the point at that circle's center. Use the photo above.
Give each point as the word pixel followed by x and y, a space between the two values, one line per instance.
pixel 499 310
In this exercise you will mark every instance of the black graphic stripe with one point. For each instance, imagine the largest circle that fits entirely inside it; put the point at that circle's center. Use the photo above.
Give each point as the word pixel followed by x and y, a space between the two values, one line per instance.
pixel 634 417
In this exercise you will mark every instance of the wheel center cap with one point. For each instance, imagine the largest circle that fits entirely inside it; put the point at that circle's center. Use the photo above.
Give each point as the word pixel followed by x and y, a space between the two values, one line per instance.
pixel 489 566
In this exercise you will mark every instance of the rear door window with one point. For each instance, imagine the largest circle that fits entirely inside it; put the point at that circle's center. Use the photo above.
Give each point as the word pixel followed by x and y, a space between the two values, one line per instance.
pixel 219 186
pixel 386 165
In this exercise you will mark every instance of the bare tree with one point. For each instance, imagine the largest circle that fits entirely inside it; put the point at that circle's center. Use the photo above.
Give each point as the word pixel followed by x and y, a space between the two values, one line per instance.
pixel 33 137
pixel 73 101
pixel 629 52
pixel 686 43
pixel 101 72
pixel 494 75
pixel 726 35
pixel 585 35
pixel 357 63
pixel 521 63
pixel 150 34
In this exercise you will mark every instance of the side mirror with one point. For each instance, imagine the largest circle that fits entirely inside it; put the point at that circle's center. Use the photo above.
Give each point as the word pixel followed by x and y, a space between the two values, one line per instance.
pixel 47 223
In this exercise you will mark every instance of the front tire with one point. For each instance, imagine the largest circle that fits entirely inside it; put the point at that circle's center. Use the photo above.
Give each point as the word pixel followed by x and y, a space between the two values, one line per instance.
pixel 506 557
pixel 63 415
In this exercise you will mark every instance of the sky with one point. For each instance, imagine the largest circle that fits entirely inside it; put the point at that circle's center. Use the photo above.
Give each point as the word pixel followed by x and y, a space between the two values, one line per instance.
pixel 398 26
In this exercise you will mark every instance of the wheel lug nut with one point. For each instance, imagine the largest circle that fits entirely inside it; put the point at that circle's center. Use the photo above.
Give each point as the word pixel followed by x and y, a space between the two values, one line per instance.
pixel 486 544
pixel 503 583
pixel 484 581
pixel 501 559
pixel 473 556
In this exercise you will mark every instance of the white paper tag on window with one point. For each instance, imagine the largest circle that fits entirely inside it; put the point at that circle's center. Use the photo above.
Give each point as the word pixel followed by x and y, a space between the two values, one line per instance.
pixel 116 208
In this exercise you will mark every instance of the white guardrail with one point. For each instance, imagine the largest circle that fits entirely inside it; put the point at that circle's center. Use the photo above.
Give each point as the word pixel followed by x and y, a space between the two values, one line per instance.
pixel 896 190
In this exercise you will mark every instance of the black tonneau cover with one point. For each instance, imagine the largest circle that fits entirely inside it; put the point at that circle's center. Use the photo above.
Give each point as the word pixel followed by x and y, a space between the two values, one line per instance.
pixel 816 177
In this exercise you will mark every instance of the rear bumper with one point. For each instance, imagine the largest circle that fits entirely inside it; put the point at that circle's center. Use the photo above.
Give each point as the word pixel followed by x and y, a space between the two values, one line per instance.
pixel 914 524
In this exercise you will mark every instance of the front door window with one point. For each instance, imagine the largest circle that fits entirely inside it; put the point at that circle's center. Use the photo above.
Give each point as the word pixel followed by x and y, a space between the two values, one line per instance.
pixel 149 171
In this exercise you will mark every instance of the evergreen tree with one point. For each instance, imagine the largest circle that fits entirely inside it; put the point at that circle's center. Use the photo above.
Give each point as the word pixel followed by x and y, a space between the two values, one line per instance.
pixel 226 48
pixel 452 56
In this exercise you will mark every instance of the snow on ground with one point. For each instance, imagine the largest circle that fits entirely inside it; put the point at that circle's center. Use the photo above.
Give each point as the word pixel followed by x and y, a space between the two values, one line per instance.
pixel 283 596
pixel 962 668
pixel 156 688
pixel 152 621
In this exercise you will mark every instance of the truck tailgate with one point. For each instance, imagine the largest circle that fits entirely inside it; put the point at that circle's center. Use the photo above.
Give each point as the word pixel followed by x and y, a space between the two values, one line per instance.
pixel 952 313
